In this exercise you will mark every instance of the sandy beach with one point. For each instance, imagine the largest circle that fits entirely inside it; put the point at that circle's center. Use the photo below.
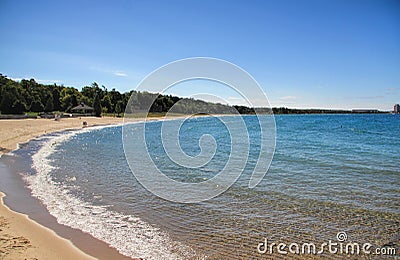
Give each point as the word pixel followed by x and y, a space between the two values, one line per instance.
pixel 14 131
pixel 21 237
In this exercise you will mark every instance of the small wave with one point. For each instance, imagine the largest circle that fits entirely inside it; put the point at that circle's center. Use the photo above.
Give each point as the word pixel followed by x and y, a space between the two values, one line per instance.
pixel 130 235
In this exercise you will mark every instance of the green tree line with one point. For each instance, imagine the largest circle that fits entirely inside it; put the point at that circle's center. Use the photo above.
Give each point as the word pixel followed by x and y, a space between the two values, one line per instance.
pixel 18 97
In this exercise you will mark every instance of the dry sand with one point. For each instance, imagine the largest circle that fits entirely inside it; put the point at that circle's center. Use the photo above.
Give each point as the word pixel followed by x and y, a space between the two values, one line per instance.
pixel 14 131
pixel 20 237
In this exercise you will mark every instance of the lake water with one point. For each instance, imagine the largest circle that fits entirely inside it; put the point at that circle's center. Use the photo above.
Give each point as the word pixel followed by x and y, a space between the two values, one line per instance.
pixel 329 174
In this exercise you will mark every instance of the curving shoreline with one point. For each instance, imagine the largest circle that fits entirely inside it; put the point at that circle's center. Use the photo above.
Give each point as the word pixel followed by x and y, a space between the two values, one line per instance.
pixel 42 237
pixel 22 237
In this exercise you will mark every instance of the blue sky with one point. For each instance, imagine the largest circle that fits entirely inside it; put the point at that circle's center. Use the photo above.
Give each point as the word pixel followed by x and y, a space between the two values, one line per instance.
pixel 321 54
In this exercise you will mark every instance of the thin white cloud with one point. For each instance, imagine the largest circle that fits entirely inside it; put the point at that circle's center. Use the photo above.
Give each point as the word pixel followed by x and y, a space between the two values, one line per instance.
pixel 42 81
pixel 16 79
pixel 235 98
pixel 288 97
pixel 392 91
pixel 120 74
pixel 239 101
pixel 48 81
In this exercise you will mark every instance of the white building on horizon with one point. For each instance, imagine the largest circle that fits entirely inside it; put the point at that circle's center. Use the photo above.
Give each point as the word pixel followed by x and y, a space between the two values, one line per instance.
pixel 396 109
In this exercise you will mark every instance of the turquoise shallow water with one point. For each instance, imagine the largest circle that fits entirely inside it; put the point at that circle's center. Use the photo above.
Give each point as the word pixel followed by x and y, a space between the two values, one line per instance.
pixel 330 173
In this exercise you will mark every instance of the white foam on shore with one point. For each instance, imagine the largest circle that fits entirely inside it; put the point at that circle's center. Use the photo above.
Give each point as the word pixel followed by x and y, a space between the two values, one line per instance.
pixel 130 235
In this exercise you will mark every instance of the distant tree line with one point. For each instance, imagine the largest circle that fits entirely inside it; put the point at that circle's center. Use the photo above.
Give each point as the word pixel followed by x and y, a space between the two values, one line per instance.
pixel 18 97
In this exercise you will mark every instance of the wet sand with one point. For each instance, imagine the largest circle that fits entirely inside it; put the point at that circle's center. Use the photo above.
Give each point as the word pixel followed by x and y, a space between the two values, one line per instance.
pixel 20 236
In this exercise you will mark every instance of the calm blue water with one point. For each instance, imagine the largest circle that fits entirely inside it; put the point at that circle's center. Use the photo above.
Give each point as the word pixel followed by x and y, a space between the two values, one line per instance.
pixel 330 173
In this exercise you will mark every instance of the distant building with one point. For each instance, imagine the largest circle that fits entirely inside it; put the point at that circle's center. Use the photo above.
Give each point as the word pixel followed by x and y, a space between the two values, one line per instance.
pixel 82 108
pixel 396 109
